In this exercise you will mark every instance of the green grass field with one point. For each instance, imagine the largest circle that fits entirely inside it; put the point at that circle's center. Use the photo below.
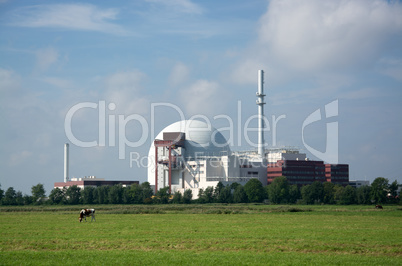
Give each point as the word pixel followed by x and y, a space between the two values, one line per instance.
pixel 202 235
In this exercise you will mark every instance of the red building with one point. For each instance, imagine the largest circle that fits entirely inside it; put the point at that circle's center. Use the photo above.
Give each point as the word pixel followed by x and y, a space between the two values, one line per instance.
pixel 337 174
pixel 306 172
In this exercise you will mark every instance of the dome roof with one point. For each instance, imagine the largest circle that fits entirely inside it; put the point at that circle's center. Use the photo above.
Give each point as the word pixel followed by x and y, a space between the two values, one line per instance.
pixel 201 140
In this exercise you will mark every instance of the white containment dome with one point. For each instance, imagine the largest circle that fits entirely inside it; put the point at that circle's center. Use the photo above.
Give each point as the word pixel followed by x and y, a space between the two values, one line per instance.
pixel 201 139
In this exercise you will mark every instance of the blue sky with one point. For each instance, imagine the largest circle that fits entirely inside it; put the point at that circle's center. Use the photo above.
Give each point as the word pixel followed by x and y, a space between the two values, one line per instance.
pixel 201 57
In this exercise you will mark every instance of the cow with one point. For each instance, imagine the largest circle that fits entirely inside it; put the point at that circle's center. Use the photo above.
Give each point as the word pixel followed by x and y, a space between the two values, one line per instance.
pixel 378 206
pixel 84 213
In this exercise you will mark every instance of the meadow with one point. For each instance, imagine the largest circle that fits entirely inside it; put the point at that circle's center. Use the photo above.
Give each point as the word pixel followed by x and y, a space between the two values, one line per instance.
pixel 202 235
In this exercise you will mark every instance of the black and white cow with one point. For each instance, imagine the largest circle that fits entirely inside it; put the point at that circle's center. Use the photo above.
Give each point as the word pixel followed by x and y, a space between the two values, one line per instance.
pixel 84 213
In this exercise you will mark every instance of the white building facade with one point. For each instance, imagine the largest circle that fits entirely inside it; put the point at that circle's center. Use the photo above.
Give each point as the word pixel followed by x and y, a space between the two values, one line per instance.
pixel 190 154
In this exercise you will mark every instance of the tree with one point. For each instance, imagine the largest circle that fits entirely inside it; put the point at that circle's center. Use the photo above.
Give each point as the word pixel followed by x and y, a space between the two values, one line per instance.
pixel 363 195
pixel 162 196
pixel 306 194
pixel 225 195
pixel 127 199
pixel 208 195
pixel 177 198
pixel 136 194
pixel 219 187
pixel 101 195
pixel 393 189
pixel 329 193
pixel 393 192
pixel 348 195
pixel 239 195
pixel 116 194
pixel 87 195
pixel 147 191
pixel 73 195
pixel 278 190
pixel 19 199
pixel 294 193
pixel 313 193
pixel 234 185
pixel 10 197
pixel 56 196
pixel 379 189
pixel 1 193
pixel 318 191
pixel 38 193
pixel 201 196
pixel 338 193
pixel 28 200
pixel 254 190
pixel 187 196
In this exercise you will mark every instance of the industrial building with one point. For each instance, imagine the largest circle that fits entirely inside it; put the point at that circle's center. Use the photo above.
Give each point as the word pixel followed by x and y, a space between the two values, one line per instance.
pixel 305 172
pixel 191 154
pixel 90 181
pixel 359 183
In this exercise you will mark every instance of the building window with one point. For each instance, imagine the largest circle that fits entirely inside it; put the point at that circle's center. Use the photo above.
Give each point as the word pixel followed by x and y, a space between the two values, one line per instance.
pixel 252 173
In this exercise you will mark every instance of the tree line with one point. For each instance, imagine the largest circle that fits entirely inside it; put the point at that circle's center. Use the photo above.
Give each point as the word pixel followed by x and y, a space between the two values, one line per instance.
pixel 278 192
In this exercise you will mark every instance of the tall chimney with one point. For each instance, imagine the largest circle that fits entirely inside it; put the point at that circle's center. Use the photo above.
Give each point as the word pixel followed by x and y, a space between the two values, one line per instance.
pixel 260 103
pixel 66 162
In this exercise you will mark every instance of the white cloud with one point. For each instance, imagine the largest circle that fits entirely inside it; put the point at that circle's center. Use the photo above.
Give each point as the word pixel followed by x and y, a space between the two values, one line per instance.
pixel 392 68
pixel 180 6
pixel 46 57
pixel 202 97
pixel 69 16
pixel 19 157
pixel 315 34
pixel 9 81
pixel 179 74
pixel 125 90
pixel 246 70
pixel 298 37
pixel 361 94
pixel 57 82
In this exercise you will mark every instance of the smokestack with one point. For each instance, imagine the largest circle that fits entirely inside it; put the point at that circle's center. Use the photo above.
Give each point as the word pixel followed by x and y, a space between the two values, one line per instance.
pixel 66 162
pixel 260 103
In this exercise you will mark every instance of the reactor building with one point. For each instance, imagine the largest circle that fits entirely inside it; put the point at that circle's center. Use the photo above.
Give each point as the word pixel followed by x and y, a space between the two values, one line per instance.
pixel 191 154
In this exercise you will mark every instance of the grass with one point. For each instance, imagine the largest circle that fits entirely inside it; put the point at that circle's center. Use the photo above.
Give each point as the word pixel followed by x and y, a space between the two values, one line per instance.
pixel 202 235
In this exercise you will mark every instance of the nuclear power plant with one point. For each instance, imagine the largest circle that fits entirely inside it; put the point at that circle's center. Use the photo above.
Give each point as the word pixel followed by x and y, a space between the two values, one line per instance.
pixel 191 154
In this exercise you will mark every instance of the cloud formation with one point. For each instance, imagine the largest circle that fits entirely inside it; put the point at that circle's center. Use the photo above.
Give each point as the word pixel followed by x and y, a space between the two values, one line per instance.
pixel 321 35
pixel 313 34
pixel 9 81
pixel 46 57
pixel 179 74
pixel 68 16
pixel 392 68
pixel 19 157
pixel 202 97
pixel 126 91
pixel 179 6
